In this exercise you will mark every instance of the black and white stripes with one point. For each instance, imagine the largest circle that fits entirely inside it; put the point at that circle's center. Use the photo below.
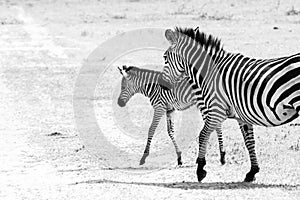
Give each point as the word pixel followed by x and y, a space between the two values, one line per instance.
pixel 254 91
pixel 137 80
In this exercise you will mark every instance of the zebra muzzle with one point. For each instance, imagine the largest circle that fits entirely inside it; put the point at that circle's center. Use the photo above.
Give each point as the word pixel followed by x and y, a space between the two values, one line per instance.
pixel 121 103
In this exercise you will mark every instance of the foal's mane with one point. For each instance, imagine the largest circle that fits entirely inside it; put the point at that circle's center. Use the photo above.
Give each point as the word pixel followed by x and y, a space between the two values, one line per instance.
pixel 205 40
pixel 135 69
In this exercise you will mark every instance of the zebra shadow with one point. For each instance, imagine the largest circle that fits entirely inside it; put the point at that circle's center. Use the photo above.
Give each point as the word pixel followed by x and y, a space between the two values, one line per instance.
pixel 197 186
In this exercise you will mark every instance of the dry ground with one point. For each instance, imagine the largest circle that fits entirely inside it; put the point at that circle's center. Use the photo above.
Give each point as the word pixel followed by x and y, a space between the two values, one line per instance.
pixel 42 47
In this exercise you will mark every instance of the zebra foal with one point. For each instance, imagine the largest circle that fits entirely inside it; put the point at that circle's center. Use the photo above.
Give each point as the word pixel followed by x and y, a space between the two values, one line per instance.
pixel 144 81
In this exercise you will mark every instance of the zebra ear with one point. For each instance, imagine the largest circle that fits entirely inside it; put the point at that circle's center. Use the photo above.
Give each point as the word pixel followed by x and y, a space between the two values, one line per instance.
pixel 171 36
pixel 123 71
pixel 125 74
pixel 120 70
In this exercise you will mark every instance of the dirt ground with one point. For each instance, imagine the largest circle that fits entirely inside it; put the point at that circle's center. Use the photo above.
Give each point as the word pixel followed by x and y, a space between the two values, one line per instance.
pixel 43 45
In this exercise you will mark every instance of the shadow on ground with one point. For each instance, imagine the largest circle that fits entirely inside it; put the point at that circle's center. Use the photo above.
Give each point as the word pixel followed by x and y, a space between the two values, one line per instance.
pixel 196 185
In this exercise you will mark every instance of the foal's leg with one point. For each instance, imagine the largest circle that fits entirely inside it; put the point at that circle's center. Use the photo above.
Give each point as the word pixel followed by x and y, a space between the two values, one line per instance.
pixel 158 113
pixel 170 126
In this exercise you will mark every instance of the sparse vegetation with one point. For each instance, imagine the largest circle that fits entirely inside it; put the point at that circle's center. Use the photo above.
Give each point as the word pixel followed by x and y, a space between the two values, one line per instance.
pixel 293 12
pixel 213 17
pixel 9 21
pixel 118 16
pixel 54 134
pixel 295 147
pixel 183 10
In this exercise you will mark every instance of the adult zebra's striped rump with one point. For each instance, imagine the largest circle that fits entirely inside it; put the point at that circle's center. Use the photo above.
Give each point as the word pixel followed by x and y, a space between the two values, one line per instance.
pixel 254 91
pixel 144 81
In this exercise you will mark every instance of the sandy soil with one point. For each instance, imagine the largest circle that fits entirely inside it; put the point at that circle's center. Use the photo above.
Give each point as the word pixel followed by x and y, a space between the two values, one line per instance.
pixel 43 45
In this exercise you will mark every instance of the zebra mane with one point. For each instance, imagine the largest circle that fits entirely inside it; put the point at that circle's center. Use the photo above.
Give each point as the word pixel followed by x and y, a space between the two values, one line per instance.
pixel 206 40
pixel 135 69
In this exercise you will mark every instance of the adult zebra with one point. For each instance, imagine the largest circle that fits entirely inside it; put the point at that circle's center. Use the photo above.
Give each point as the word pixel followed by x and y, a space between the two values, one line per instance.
pixel 254 91
pixel 137 80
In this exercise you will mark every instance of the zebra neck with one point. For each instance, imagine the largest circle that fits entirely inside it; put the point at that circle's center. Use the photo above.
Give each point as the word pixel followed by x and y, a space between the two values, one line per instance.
pixel 149 89
pixel 203 63
pixel 203 72
pixel 147 82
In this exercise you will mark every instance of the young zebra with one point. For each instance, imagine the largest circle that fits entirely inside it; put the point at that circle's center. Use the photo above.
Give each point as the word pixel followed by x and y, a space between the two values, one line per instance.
pixel 136 80
pixel 262 92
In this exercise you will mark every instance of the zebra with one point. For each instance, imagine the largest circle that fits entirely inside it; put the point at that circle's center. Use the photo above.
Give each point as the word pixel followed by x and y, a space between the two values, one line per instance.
pixel 263 92
pixel 144 81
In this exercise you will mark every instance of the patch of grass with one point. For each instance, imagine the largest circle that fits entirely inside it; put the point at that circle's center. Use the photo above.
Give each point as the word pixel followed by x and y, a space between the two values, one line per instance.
pixel 119 16
pixel 183 10
pixel 213 17
pixel 10 21
pixel 293 12
pixel 54 134
pixel 90 18
pixel 79 149
pixel 295 147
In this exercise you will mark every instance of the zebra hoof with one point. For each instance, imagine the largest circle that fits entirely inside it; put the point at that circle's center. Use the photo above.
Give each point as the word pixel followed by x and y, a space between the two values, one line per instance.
pixel 222 159
pixel 201 174
pixel 179 161
pixel 250 176
pixel 142 161
pixel 249 179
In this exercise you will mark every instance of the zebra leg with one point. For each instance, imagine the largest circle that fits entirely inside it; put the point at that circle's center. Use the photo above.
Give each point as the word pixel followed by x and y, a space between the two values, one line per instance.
pixel 158 113
pixel 209 127
pixel 220 139
pixel 247 130
pixel 170 126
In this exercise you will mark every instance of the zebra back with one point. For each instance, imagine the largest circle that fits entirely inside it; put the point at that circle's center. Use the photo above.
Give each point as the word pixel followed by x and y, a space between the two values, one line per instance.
pixel 145 81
